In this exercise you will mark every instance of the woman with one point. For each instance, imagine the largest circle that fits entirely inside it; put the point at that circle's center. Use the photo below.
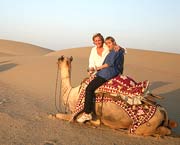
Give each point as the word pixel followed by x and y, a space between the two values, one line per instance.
pixel 98 53
pixel 110 68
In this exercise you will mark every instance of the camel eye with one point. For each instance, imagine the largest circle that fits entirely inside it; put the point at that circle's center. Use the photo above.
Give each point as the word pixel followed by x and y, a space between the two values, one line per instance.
pixel 61 58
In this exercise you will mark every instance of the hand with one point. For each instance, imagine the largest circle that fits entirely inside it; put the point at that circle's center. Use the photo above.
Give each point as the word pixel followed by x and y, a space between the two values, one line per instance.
pixel 91 69
pixel 90 73
pixel 98 68
pixel 117 47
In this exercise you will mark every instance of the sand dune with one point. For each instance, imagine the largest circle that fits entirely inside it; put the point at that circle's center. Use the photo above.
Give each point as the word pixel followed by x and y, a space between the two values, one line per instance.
pixel 13 48
pixel 75 52
pixel 27 95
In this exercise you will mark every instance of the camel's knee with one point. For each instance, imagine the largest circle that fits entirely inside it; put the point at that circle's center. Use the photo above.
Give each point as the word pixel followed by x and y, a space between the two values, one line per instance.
pixel 162 131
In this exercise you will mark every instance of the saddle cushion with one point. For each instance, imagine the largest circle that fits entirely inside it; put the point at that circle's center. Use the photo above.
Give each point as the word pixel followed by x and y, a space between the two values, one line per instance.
pixel 125 88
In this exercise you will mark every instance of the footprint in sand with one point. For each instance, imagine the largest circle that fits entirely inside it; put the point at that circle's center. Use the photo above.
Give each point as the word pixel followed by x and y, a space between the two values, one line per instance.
pixel 49 143
pixel 3 101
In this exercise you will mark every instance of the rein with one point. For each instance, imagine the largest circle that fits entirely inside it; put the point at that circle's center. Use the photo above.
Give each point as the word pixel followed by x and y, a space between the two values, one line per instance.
pixel 55 94
pixel 66 104
pixel 57 106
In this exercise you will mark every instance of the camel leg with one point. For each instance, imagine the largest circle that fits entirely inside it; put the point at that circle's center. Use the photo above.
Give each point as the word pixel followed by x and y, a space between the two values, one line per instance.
pixel 66 117
pixel 162 131
pixel 61 116
pixel 95 122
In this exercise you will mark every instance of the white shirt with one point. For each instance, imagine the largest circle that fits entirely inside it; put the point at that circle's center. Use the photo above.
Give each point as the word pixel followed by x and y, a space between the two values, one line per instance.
pixel 94 59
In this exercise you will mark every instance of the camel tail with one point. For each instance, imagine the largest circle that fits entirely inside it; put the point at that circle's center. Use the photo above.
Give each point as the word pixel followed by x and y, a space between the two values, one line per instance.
pixel 167 122
pixel 164 128
pixel 167 125
pixel 172 124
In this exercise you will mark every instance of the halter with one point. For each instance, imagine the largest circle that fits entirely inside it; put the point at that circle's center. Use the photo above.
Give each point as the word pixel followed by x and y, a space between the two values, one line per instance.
pixel 66 103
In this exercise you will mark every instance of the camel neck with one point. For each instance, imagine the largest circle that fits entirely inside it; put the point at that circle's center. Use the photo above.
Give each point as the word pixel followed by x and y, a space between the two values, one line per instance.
pixel 65 82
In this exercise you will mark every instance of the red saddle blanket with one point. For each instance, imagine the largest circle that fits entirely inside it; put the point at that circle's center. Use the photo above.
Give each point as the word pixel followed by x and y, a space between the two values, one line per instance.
pixel 124 86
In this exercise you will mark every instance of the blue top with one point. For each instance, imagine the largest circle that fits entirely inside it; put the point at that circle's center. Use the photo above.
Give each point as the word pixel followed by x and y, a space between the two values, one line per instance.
pixel 115 60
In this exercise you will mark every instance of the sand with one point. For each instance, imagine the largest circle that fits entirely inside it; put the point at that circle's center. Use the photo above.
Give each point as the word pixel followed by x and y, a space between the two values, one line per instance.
pixel 27 82
pixel 14 48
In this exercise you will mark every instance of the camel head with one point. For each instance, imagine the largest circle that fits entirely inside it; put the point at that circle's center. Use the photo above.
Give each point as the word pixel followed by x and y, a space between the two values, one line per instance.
pixel 64 64
pixel 65 61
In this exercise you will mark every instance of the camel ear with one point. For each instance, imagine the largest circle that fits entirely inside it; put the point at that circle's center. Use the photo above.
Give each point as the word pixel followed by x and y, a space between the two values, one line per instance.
pixel 61 58
pixel 71 58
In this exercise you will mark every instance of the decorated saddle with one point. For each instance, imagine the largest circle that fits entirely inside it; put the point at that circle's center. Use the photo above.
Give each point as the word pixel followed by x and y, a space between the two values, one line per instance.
pixel 126 93
pixel 123 87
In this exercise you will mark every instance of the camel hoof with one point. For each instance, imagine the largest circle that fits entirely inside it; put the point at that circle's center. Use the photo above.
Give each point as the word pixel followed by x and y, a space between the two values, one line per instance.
pixel 52 116
pixel 95 122
pixel 162 131
pixel 56 116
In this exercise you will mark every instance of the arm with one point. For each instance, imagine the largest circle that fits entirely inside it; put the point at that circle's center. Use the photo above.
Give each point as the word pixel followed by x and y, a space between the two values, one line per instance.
pixel 117 47
pixel 91 60
pixel 102 66
pixel 109 60
pixel 92 66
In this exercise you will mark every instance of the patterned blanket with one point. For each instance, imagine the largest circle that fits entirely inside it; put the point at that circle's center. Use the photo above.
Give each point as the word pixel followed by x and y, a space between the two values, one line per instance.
pixel 126 88
pixel 119 87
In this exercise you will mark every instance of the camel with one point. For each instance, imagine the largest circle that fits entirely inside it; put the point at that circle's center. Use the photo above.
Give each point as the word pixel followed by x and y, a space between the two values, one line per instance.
pixel 111 115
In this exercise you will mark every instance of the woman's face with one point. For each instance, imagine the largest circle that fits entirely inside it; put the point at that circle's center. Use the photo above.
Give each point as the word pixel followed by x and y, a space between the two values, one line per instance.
pixel 110 44
pixel 98 42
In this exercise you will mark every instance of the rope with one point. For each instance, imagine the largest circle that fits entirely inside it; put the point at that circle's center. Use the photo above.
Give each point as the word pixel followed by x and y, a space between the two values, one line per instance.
pixel 57 106
pixel 55 94
pixel 66 106
pixel 102 100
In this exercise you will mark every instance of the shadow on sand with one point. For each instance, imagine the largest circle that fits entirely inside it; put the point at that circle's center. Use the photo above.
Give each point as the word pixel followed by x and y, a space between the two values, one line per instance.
pixel 172 103
pixel 5 67
pixel 157 84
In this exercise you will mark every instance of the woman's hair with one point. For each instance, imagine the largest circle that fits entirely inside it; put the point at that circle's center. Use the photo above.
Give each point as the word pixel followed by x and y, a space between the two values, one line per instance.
pixel 98 35
pixel 110 38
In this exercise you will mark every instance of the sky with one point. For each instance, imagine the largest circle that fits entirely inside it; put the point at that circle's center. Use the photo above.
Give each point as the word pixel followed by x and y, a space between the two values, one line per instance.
pixel 60 24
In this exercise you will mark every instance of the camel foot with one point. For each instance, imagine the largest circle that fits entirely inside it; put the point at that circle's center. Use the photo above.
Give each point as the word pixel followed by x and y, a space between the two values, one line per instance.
pixel 95 122
pixel 157 136
pixel 52 116
pixel 162 131
pixel 61 116
pixel 66 117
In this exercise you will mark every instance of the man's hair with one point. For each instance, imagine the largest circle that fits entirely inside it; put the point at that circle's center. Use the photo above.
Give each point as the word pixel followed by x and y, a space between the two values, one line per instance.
pixel 98 35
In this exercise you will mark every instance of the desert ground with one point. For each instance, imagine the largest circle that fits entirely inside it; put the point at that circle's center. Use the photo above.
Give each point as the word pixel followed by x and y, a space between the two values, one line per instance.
pixel 27 85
